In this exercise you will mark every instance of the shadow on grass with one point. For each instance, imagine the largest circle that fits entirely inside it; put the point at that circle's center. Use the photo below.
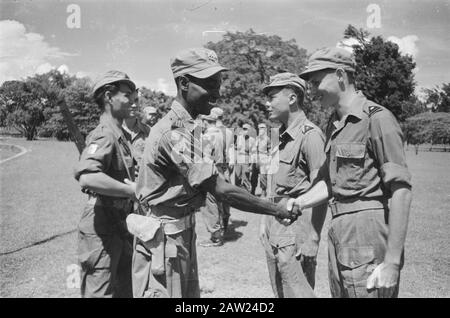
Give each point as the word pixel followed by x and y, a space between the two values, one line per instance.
pixel 231 234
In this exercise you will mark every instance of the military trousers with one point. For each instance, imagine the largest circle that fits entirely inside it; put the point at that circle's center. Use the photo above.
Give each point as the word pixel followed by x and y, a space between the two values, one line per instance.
pixel 215 214
pixel 180 277
pixel 287 276
pixel 356 245
pixel 105 262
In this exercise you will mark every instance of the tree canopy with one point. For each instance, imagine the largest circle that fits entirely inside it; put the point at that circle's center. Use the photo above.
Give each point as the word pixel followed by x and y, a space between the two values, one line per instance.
pixel 428 127
pixel 384 74
pixel 251 59
pixel 439 98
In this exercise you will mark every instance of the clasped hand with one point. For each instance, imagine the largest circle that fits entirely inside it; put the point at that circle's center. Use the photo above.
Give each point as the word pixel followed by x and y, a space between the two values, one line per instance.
pixel 289 213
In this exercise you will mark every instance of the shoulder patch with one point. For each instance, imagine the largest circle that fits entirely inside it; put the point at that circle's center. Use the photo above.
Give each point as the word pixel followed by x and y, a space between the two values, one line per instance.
pixel 307 128
pixel 374 109
pixel 92 148
pixel 177 124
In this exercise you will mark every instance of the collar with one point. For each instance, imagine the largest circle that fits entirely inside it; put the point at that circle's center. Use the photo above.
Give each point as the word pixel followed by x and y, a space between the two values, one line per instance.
pixel 183 116
pixel 293 131
pixel 356 109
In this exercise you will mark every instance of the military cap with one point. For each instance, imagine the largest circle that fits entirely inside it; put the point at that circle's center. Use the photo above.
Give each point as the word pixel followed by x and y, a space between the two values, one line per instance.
pixel 246 126
pixel 197 62
pixel 111 77
pixel 262 125
pixel 214 115
pixel 150 110
pixel 285 79
pixel 329 58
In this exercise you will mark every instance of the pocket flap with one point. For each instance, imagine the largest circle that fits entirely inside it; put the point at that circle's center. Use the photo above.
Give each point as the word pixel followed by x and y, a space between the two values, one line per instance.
pixel 353 257
pixel 355 150
pixel 142 227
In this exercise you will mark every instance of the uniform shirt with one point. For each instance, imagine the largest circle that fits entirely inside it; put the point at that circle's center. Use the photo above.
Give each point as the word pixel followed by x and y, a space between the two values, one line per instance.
pixel 365 152
pixel 300 154
pixel 105 146
pixel 138 135
pixel 172 166
pixel 228 137
pixel 246 147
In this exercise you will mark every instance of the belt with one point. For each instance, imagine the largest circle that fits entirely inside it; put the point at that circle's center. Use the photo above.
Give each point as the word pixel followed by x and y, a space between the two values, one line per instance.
pixel 176 226
pixel 356 205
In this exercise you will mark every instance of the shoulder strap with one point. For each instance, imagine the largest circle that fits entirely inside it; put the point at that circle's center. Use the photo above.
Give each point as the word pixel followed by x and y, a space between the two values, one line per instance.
pixel 122 157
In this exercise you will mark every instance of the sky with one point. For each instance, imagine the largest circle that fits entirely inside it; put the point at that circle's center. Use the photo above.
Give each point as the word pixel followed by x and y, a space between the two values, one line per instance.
pixel 87 38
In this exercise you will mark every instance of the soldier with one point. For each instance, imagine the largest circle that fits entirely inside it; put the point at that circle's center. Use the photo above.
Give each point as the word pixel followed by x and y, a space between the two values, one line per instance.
pixel 137 130
pixel 174 181
pixel 215 212
pixel 106 170
pixel 365 167
pixel 291 250
pixel 149 116
pixel 245 147
pixel 262 161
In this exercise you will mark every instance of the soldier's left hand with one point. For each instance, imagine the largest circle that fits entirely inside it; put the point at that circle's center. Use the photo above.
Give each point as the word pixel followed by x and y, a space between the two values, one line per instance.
pixel 384 278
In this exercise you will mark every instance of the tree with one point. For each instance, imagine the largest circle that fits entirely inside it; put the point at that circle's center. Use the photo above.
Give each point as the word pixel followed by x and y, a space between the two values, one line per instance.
pixel 439 98
pixel 251 58
pixel 159 100
pixel 22 106
pixel 85 112
pixel 382 73
pixel 428 127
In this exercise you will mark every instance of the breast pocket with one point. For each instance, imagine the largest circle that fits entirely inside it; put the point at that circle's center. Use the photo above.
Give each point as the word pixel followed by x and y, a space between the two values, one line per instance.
pixel 350 163
pixel 120 165
pixel 288 175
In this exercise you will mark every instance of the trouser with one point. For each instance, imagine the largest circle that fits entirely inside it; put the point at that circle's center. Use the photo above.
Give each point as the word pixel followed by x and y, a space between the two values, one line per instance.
pixel 105 262
pixel 356 245
pixel 263 182
pixel 180 279
pixel 243 175
pixel 287 276
pixel 254 171
pixel 213 215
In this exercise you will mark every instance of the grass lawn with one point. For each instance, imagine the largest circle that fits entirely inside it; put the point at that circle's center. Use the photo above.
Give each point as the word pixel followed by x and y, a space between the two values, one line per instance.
pixel 41 205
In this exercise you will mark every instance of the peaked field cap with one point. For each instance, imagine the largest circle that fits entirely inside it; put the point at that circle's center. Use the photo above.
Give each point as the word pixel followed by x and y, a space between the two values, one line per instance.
pixel 214 114
pixel 150 110
pixel 112 77
pixel 197 62
pixel 285 79
pixel 329 58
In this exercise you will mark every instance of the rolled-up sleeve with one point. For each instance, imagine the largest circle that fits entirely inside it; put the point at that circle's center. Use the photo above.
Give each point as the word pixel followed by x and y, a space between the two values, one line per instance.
pixel 96 157
pixel 387 143
pixel 185 153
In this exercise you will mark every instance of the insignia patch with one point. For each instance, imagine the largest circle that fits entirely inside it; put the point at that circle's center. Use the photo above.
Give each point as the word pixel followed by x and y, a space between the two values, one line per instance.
pixel 212 56
pixel 92 149
pixel 374 109
pixel 307 128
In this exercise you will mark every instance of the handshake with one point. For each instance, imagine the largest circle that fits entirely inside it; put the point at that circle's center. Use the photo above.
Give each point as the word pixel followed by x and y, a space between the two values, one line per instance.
pixel 289 210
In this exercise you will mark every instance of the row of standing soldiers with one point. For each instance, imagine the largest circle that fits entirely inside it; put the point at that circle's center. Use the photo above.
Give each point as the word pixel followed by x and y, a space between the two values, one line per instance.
pixel 137 234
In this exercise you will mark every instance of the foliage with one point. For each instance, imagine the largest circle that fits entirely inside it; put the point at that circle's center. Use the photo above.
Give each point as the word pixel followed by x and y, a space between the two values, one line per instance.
pixel 439 98
pixel 251 59
pixel 382 72
pixel 159 100
pixel 22 106
pixel 428 127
